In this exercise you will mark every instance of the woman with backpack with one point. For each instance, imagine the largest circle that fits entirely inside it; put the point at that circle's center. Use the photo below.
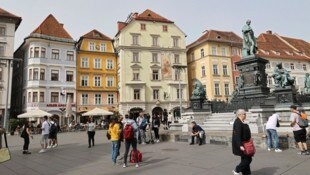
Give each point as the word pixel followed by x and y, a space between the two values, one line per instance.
pixel 26 134
pixel 155 127
pixel 90 128
pixel 114 131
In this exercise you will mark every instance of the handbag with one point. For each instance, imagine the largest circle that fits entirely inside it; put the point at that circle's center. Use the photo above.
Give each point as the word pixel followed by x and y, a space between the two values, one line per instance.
pixel 108 135
pixel 249 148
pixel 278 124
pixel 5 152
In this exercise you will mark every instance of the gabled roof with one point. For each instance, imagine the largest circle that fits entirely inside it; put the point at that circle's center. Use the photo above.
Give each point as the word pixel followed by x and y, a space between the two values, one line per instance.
pixel 149 15
pixel 51 27
pixel 95 34
pixel 6 14
pixel 217 36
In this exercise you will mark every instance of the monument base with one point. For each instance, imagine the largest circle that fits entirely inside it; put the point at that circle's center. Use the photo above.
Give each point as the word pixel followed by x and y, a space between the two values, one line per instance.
pixel 285 95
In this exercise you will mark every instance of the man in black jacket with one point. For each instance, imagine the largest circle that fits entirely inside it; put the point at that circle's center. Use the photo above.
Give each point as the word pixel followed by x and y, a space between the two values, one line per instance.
pixel 241 133
pixel 198 132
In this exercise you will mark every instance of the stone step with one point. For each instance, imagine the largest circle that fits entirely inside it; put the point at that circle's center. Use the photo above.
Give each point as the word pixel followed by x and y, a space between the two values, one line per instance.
pixel 217 129
pixel 216 122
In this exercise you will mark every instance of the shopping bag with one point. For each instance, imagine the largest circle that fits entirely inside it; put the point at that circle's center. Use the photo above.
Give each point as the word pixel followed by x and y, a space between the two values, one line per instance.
pixel 4 151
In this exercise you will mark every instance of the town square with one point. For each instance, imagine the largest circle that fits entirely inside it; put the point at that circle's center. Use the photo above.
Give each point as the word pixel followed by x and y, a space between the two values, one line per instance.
pixel 154 87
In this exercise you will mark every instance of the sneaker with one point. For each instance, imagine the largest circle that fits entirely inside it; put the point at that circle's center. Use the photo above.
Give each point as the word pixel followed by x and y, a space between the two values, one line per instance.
pixel 137 165
pixel 54 146
pixel 42 151
pixel 269 149
pixel 49 146
pixel 235 173
pixel 124 166
pixel 157 141
pixel 278 150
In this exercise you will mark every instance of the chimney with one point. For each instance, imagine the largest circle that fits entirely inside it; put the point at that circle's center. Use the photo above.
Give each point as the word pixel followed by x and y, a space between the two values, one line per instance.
pixel 62 25
pixel 120 25
pixel 269 32
pixel 135 15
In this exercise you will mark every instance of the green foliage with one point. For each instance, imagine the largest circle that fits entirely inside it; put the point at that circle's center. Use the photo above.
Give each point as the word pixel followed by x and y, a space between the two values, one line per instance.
pixel 15 122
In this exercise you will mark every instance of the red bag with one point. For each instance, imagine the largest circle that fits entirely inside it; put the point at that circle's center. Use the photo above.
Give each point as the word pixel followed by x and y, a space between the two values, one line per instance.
pixel 128 132
pixel 133 158
pixel 249 148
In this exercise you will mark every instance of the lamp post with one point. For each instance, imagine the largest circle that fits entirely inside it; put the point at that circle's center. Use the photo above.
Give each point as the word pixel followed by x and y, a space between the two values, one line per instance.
pixel 179 69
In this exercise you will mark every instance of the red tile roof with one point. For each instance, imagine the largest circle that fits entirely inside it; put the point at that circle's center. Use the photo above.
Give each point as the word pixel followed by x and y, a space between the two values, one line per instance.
pixel 149 15
pixel 51 27
pixel 218 36
pixel 95 34
pixel 6 14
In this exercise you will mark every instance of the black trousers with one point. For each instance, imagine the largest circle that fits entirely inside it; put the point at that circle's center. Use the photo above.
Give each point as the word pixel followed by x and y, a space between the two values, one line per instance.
pixel 119 146
pixel 193 139
pixel 133 143
pixel 244 166
pixel 26 143
pixel 156 130
pixel 91 138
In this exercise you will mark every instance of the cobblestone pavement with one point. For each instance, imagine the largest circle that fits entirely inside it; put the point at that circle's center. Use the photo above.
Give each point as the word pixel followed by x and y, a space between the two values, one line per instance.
pixel 73 156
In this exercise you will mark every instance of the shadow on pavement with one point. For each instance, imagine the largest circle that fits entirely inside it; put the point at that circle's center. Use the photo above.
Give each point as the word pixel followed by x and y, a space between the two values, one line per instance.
pixel 265 171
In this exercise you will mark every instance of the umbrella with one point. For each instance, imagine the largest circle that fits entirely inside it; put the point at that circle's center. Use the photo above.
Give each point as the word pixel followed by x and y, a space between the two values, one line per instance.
pixel 34 113
pixel 97 111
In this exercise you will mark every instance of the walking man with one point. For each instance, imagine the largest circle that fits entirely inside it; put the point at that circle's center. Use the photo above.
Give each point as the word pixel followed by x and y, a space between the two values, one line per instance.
pixel 129 131
pixel 45 133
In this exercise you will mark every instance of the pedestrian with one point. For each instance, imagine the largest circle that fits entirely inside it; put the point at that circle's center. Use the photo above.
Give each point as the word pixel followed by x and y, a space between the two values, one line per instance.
pixel 90 129
pixel 130 138
pixel 121 137
pixel 142 123
pixel 53 134
pixel 271 128
pixel 197 132
pixel 45 133
pixel 165 119
pixel 170 119
pixel 114 131
pixel 26 135
pixel 300 134
pixel 155 126
pixel 241 133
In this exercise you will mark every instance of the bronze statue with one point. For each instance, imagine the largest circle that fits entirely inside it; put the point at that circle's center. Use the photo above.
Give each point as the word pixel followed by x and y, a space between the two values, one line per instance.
pixel 249 41
pixel 282 77
pixel 307 83
pixel 199 91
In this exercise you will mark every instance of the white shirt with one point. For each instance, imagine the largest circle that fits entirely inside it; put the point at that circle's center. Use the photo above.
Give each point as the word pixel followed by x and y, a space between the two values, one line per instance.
pixel 272 121
pixel 170 118
pixel 295 117
pixel 45 128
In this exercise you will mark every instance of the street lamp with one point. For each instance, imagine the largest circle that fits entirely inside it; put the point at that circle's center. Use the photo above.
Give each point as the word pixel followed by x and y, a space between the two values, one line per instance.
pixel 179 69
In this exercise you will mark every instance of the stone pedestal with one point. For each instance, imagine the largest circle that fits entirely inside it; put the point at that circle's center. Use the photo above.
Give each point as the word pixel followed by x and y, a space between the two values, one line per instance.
pixel 285 96
pixel 200 105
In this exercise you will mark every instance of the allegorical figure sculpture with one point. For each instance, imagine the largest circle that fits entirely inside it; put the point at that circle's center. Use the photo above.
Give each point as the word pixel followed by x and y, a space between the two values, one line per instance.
pixel 307 83
pixel 249 41
pixel 282 77
pixel 199 91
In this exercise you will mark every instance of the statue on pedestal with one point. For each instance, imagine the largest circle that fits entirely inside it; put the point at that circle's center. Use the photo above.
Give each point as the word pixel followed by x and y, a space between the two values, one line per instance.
pixel 282 77
pixel 307 83
pixel 249 40
pixel 199 91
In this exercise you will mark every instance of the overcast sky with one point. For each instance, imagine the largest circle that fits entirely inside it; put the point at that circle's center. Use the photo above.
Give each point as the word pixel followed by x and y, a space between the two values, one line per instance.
pixel 285 17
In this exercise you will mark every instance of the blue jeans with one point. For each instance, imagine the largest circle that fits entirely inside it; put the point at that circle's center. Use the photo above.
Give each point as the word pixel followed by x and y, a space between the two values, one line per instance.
pixel 114 151
pixel 272 135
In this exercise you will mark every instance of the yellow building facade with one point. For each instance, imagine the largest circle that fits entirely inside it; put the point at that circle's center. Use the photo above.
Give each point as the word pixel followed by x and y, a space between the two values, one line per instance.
pixel 209 61
pixel 96 73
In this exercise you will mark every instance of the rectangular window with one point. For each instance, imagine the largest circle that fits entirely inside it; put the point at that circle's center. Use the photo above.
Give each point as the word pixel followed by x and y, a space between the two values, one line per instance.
pixel 226 88
pixel 109 64
pixel 203 71
pixel 217 89
pixel 202 53
pixel 54 75
pixel 30 52
pixel 92 46
pixel 234 51
pixel 304 67
pixel 43 52
pixel 69 76
pixel 97 81
pixel 213 50
pixel 155 94
pixel 41 96
pixel 135 57
pixel 84 80
pixel 179 93
pixel 292 66
pixel 34 96
pixel 110 99
pixel 165 28
pixel 135 40
pixel 84 63
pixel 102 47
pixel 30 74
pixel 2 31
pixel 175 42
pixel 155 57
pixel 36 52
pixel 225 70
pixel 97 99
pixel 155 75
pixel 54 97
pixel 155 40
pixel 136 94
pixel 110 81
pixel 2 50
pixel 142 26
pixel 136 75
pixel 215 70
pixel 70 56
pixel 36 74
pixel 42 74
pixel 29 97
pixel 97 63
pixel 176 58
pixel 84 99
pixel 223 51
pixel 55 54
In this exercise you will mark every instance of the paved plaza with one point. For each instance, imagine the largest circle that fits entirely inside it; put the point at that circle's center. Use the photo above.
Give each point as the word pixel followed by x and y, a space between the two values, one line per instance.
pixel 74 157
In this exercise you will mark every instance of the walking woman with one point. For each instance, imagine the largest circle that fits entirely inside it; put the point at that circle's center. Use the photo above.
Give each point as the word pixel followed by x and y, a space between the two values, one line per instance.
pixel 241 133
pixel 155 126
pixel 90 128
pixel 114 131
pixel 26 134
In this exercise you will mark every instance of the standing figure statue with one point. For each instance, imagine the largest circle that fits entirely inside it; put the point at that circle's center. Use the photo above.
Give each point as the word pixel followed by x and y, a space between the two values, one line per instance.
pixel 307 83
pixel 249 41
pixel 282 77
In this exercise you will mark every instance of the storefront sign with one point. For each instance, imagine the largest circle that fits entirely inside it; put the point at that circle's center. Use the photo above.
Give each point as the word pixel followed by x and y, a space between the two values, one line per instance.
pixel 58 105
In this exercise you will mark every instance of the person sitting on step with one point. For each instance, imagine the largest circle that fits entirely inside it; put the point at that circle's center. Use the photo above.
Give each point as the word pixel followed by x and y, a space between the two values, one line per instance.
pixel 198 132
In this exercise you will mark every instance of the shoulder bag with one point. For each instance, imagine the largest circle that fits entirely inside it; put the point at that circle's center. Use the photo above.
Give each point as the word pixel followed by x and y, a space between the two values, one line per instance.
pixel 5 152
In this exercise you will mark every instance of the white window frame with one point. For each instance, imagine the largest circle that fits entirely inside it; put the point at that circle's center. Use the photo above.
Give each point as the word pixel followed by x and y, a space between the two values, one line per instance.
pixel 84 62
pixel 110 99
pixel 84 78
pixel 97 80
pixel 98 99
pixel 110 81
pixel 84 99
pixel 97 63
pixel 110 64
pixel 92 46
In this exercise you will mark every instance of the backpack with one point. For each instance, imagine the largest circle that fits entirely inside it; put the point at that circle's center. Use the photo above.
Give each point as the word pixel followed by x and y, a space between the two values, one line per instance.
pixel 303 120
pixel 249 148
pixel 53 128
pixel 133 158
pixel 143 124
pixel 128 132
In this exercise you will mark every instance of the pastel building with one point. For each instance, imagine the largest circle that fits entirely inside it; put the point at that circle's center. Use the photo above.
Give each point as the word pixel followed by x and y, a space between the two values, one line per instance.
pixel 47 75
pixel 148 47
